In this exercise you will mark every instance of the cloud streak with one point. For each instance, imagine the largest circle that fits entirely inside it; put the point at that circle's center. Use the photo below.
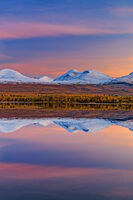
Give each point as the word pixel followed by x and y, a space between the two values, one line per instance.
pixel 18 30
pixel 5 57
pixel 122 11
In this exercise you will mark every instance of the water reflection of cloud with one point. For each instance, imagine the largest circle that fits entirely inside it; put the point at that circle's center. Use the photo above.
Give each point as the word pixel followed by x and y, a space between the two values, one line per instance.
pixel 47 181
pixel 111 148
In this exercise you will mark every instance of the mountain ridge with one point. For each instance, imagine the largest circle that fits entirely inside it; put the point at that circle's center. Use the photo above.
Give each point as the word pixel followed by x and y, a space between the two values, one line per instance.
pixel 87 76
pixel 73 76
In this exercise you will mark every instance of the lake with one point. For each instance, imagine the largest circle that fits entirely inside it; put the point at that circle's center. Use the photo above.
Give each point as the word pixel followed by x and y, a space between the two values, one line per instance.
pixel 66 158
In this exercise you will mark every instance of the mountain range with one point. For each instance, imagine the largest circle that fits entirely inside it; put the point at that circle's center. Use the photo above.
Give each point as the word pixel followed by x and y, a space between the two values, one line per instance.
pixel 71 125
pixel 71 77
pixel 9 75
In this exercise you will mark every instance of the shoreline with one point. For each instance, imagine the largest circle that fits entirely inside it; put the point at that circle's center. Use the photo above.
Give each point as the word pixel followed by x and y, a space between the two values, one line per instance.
pixel 42 113
pixel 112 89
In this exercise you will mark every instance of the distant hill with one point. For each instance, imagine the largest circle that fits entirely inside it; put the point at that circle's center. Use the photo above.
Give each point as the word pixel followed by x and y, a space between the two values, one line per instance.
pixel 9 75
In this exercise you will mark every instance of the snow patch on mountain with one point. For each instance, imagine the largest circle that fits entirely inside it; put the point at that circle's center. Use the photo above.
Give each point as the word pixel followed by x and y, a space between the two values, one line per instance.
pixel 45 79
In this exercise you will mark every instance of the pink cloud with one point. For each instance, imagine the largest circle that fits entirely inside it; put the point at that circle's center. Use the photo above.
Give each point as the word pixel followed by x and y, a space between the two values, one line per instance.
pixel 27 171
pixel 36 172
pixel 16 30
pixel 5 57
pixel 122 11
pixel 28 29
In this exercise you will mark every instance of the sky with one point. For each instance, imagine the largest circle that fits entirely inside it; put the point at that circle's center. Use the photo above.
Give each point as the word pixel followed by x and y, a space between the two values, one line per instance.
pixel 50 37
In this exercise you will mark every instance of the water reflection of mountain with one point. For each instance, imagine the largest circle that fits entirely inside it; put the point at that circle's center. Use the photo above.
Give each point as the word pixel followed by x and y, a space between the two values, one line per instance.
pixel 71 125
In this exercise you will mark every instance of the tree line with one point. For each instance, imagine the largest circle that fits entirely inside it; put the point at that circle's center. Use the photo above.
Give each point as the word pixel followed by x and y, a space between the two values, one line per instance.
pixel 63 99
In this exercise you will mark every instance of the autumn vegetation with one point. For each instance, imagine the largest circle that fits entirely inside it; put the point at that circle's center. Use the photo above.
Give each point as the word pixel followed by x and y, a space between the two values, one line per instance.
pixel 49 98
pixel 70 102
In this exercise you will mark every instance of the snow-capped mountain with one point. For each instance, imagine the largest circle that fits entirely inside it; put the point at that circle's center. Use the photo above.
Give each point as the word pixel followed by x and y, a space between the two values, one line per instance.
pixel 85 77
pixel 124 79
pixel 9 75
pixel 71 77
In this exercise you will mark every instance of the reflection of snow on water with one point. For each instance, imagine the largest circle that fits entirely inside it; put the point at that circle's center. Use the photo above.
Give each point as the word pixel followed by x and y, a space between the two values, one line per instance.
pixel 71 125
pixel 10 125
pixel 86 125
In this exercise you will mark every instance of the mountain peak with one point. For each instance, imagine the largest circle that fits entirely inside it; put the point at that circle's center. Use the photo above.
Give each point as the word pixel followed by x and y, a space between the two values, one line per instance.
pixel 131 74
pixel 86 72
pixel 7 70
pixel 71 74
pixel 72 70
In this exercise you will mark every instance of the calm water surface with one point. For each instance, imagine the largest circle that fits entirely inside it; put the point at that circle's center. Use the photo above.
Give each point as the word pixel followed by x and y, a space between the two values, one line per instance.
pixel 66 159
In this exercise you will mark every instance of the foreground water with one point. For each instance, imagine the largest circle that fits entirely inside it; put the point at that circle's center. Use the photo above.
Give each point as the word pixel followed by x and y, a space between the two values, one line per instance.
pixel 64 158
